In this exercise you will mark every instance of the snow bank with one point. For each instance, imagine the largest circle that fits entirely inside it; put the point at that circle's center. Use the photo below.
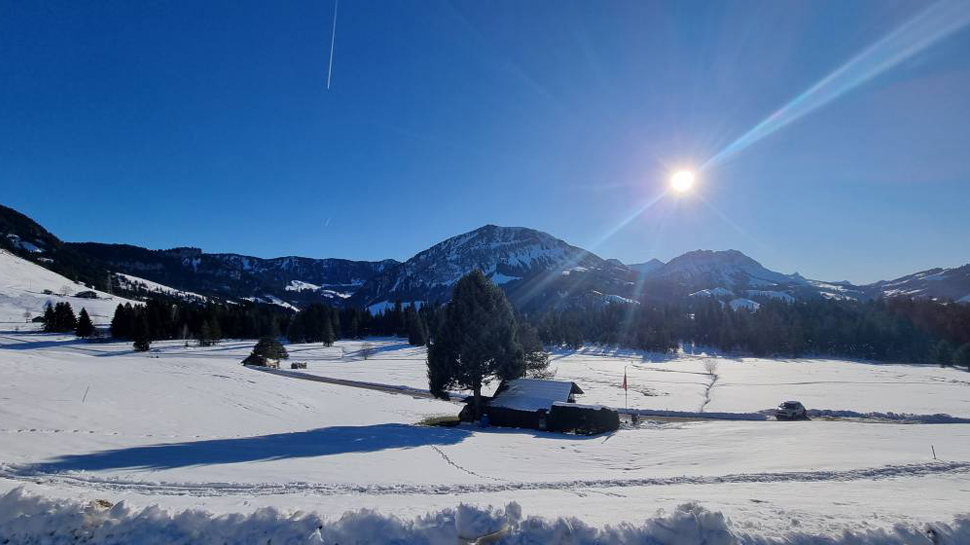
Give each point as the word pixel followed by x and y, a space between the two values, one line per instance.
pixel 28 518
pixel 938 418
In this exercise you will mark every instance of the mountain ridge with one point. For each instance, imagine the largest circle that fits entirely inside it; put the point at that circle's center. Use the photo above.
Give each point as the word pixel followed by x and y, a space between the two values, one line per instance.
pixel 536 269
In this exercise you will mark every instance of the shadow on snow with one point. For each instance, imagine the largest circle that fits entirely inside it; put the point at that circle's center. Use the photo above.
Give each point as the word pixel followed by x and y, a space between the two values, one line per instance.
pixel 281 446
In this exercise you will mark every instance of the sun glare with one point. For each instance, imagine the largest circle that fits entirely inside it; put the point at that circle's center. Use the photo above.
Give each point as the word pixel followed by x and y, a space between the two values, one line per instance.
pixel 682 181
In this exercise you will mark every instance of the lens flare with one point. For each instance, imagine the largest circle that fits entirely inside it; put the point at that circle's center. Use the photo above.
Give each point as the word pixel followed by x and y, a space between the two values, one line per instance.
pixel 929 27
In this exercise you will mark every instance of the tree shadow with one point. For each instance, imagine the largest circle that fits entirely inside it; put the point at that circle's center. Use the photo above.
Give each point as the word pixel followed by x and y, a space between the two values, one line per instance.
pixel 33 345
pixel 305 444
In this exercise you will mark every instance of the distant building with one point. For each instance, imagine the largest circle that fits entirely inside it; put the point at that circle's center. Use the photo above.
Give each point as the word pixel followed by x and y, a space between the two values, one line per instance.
pixel 86 294
pixel 544 405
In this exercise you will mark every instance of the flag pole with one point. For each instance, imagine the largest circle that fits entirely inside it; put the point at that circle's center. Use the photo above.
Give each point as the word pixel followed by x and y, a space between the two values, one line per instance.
pixel 626 390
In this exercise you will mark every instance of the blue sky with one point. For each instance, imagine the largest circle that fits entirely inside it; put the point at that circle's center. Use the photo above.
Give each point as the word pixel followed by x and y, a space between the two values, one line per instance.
pixel 209 124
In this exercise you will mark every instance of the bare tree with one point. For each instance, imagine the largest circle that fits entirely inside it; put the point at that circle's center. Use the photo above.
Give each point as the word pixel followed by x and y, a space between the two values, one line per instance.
pixel 711 366
pixel 366 350
pixel 27 315
pixel 65 290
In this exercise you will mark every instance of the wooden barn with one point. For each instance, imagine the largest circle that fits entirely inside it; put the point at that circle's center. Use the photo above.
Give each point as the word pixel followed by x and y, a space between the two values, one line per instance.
pixel 545 405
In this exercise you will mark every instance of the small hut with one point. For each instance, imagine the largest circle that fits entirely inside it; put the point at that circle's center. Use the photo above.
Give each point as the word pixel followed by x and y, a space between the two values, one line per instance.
pixel 545 405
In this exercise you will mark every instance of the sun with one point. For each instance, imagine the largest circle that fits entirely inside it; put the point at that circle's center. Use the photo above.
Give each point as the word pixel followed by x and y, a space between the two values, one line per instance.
pixel 682 181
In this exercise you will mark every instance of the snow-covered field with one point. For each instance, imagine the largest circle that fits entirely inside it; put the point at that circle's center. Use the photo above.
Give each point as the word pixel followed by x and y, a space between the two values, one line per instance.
pixel 197 448
pixel 191 428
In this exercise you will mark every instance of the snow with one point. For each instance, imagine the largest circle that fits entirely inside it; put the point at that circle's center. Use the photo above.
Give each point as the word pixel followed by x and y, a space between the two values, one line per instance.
pixel 772 295
pixel 231 454
pixel 299 285
pixel 713 292
pixel 22 286
pixel 27 516
pixel 23 244
pixel 577 269
pixel 499 279
pixel 532 394
pixel 964 299
pixel 378 308
pixel 272 300
pixel 746 304
pixel 135 283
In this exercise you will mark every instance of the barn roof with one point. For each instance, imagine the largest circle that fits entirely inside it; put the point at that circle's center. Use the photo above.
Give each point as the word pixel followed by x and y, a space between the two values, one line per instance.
pixel 528 394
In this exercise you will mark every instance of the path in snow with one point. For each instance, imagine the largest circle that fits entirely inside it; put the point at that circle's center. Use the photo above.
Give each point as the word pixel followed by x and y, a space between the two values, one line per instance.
pixel 114 484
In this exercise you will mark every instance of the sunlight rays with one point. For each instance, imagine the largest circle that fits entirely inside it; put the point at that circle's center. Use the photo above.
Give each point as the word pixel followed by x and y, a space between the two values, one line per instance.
pixel 929 27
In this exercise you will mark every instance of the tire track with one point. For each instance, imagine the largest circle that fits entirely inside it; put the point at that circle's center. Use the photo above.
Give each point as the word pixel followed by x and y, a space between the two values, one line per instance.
pixel 116 484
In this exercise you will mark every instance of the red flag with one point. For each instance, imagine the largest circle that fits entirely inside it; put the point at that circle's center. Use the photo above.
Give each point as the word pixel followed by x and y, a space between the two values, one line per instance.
pixel 624 378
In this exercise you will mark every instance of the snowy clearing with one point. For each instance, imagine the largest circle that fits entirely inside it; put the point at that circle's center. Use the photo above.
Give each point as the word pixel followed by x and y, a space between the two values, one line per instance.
pixel 22 287
pixel 190 428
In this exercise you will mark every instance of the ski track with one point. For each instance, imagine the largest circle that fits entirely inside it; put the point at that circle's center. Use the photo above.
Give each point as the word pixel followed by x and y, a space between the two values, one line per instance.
pixel 114 484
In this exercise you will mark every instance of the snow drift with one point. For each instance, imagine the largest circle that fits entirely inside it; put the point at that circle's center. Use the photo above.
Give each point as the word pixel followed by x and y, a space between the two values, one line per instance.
pixel 28 518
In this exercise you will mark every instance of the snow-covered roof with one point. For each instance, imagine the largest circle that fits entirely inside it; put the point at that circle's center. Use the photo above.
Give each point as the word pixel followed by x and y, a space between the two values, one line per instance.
pixel 527 394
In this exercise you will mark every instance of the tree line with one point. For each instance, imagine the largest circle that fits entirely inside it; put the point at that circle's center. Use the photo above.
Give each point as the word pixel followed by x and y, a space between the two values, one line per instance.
pixel 60 318
pixel 883 330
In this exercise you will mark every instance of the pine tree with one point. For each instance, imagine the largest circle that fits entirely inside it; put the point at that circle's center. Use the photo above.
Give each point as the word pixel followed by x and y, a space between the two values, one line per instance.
pixel 961 357
pixel 63 320
pixel 536 357
pixel 328 335
pixel 266 349
pixel 50 322
pixel 417 330
pixel 296 333
pixel 120 322
pixel 475 340
pixel 140 332
pixel 85 328
pixel 942 353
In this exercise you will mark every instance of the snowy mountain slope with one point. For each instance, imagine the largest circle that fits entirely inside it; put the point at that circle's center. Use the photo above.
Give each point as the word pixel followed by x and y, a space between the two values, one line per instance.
pixel 727 268
pixel 647 266
pixel 130 283
pixel 26 238
pixel 530 265
pixel 937 284
pixel 721 273
pixel 23 285
pixel 297 281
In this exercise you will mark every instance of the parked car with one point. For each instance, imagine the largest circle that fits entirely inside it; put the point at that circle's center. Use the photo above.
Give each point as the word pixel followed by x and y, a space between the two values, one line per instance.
pixel 791 410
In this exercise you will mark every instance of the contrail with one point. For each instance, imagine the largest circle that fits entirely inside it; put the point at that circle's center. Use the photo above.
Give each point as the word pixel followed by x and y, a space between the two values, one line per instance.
pixel 333 39
pixel 929 27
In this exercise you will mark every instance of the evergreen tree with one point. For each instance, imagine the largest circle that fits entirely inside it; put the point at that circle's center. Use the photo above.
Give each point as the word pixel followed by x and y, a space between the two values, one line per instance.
pixel 296 333
pixel 120 322
pixel 328 336
pixel 49 320
pixel 140 332
pixel 85 328
pixel 961 356
pixel 417 330
pixel 266 349
pixel 536 357
pixel 475 341
pixel 942 353
pixel 61 319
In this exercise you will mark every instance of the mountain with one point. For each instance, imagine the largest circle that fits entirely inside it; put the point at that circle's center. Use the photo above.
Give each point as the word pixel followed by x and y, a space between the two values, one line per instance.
pixel 285 281
pixel 25 238
pixel 535 269
pixel 730 273
pixel 938 284
pixel 647 266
